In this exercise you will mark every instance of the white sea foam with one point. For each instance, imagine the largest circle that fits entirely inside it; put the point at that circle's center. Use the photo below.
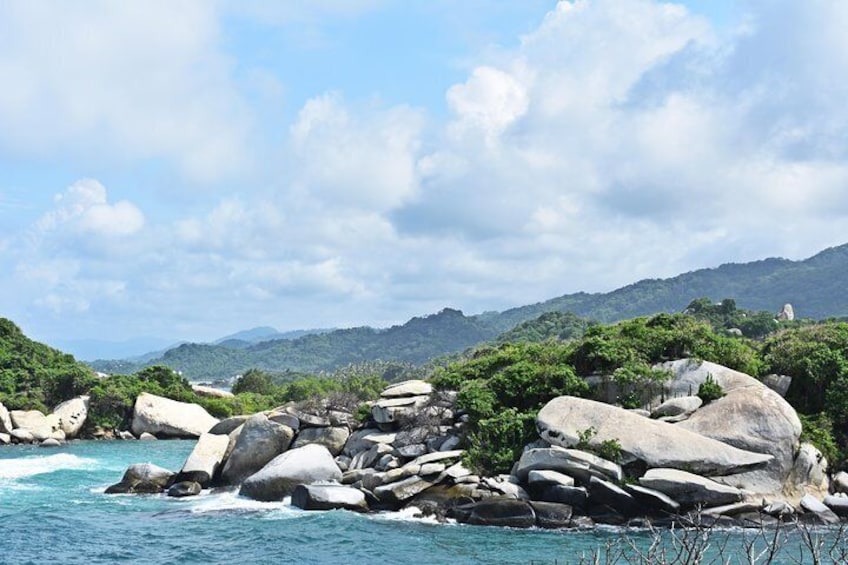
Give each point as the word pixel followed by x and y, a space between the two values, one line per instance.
pixel 230 501
pixel 408 514
pixel 13 469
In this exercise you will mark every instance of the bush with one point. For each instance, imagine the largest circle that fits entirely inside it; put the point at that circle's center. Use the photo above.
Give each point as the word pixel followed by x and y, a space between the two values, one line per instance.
pixel 818 430
pixel 710 390
pixel 497 442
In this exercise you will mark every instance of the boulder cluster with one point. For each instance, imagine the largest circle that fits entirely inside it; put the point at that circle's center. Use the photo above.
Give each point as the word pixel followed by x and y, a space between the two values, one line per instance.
pixel 736 460
pixel 32 426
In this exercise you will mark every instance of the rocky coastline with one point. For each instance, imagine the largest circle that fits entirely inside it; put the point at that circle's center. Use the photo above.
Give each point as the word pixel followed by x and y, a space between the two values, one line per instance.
pixel 735 461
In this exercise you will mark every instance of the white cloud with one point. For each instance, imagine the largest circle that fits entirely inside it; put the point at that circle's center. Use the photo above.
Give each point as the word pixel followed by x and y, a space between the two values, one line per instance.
pixel 129 80
pixel 83 208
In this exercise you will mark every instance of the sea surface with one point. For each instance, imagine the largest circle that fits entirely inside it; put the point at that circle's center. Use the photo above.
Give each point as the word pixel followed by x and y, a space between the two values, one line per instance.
pixel 53 510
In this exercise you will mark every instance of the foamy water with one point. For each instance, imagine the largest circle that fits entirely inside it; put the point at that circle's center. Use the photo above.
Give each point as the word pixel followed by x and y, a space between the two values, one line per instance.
pixel 14 469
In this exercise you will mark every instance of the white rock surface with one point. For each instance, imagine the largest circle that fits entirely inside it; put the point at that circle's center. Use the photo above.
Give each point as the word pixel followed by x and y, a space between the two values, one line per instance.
pixel 689 489
pixel 165 417
pixel 304 465
pixel 407 388
pixel 71 415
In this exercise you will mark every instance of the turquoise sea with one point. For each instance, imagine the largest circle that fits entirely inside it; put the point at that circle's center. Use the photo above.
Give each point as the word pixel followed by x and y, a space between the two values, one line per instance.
pixel 53 510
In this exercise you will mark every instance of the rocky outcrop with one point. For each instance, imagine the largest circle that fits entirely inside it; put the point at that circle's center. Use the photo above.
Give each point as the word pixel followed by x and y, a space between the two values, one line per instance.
pixel 71 415
pixel 656 444
pixel 168 418
pixel 6 426
pixel 277 479
pixel 205 460
pixel 39 426
pixel 332 438
pixel 689 489
pixel 571 462
pixel 259 441
pixel 407 388
pixel 143 478
pixel 329 497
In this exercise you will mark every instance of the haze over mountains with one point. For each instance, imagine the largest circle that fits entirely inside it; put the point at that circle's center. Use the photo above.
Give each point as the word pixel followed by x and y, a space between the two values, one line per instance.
pixel 815 286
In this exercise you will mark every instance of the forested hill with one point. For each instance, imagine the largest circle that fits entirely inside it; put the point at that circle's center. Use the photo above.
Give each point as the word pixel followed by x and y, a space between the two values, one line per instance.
pixel 816 287
pixel 416 341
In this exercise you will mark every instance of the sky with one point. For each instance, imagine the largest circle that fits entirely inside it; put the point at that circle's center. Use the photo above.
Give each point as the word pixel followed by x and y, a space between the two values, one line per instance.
pixel 187 169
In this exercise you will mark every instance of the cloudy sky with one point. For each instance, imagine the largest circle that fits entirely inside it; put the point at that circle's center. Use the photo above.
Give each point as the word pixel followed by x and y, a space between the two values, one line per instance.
pixel 187 169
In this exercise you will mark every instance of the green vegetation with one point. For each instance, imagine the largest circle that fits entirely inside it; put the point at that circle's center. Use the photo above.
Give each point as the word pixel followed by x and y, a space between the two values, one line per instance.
pixel 710 390
pixel 502 388
pixel 550 325
pixel 34 376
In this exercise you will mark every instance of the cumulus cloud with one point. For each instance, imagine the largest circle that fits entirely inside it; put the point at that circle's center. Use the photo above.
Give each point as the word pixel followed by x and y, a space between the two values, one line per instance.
pixel 83 208
pixel 621 139
pixel 129 80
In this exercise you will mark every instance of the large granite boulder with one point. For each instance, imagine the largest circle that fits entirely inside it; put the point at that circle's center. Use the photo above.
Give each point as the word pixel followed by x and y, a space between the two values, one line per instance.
pixel 227 425
pixel 389 410
pixel 6 426
pixel 752 417
pixel 165 417
pixel 677 406
pixel 689 489
pixel 404 489
pixel 278 479
pixel 204 460
pixel 407 388
pixel 328 497
pixel 258 442
pixel 143 478
pixel 183 489
pixel 40 426
pixel 572 462
pixel 687 375
pixel 332 438
pixel 657 444
pixel 71 415
pixel 211 392
pixel 496 511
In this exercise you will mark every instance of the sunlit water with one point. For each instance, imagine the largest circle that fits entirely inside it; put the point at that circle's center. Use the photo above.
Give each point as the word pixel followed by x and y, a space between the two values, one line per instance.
pixel 53 510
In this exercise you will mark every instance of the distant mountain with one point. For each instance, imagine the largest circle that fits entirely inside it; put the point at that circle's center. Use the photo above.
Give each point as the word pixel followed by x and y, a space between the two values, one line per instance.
pixel 815 287
pixel 89 349
pixel 417 341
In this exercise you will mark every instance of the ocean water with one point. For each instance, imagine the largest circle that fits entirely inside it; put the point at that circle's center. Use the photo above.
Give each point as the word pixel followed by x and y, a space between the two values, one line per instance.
pixel 53 510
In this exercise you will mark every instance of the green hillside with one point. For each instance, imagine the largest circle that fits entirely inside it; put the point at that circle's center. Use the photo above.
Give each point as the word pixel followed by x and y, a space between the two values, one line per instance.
pixel 814 286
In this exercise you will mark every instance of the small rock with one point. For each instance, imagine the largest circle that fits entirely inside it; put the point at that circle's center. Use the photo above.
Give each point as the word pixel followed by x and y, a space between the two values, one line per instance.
pixel 146 436
pixel 328 497
pixel 50 442
pixel 185 488
pixel 407 388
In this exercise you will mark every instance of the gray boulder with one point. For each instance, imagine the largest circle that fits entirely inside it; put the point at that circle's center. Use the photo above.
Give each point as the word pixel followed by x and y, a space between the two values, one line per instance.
pixel 753 418
pixel 546 477
pixel 5 439
pixel 677 406
pixel 399 491
pixel 407 388
pixel 550 515
pixel 71 415
pixel 147 436
pixel 562 420
pixel 304 465
pixel 6 426
pixel 364 439
pixel 809 472
pixel 285 419
pixel 165 417
pixel 837 503
pixel 259 441
pixel 211 392
pixel 185 488
pixel 778 383
pixel 496 511
pixel 21 435
pixel 653 500
pixel 40 426
pixel 328 497
pixel 227 425
pixel 572 462
pixel 143 478
pixel 815 507
pixel 332 438
pixel 391 410
pixel 689 489
pixel 611 495
pixel 840 482
pixel 50 442
pixel 573 496
pixel 204 460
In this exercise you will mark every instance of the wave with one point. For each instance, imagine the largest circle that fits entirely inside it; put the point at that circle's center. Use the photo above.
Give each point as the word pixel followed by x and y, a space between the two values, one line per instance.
pixel 13 469
pixel 409 514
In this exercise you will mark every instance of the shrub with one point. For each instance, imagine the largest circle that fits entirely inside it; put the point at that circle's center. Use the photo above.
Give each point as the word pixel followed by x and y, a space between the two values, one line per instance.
pixel 710 390
pixel 497 442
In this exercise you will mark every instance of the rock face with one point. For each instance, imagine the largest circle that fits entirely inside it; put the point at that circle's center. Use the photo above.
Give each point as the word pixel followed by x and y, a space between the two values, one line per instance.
pixel 71 415
pixel 277 479
pixel 572 462
pixel 204 460
pixel 6 426
pixel 143 478
pixel 655 443
pixel 165 417
pixel 332 438
pixel 677 406
pixel 407 388
pixel 505 512
pixel 37 424
pixel 259 441
pixel 328 497
pixel 754 418
pixel 689 489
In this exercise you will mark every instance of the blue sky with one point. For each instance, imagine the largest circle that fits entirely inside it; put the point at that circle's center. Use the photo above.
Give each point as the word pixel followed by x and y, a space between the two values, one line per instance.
pixel 189 169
